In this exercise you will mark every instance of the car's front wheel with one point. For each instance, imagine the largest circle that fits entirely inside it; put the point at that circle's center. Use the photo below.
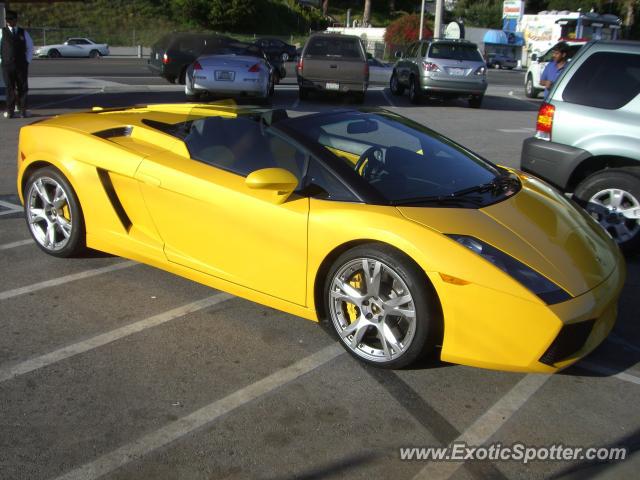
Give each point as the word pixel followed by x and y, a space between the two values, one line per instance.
pixel 379 306
pixel 529 89
pixel 94 54
pixel 475 101
pixel 53 53
pixel 612 198
pixel 395 86
pixel 53 213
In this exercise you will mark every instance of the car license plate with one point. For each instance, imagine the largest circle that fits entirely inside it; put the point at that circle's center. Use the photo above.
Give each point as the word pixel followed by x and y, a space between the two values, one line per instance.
pixel 456 71
pixel 333 86
pixel 225 75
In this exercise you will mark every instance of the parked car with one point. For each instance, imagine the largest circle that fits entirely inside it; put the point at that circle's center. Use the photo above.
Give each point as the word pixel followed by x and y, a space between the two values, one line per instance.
pixel 237 70
pixel 499 60
pixel 173 53
pixel 276 49
pixel 379 71
pixel 440 67
pixel 398 237
pixel 333 63
pixel 532 87
pixel 588 137
pixel 73 47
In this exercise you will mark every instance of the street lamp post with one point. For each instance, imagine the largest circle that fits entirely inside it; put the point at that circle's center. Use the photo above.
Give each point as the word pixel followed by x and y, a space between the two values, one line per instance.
pixel 421 21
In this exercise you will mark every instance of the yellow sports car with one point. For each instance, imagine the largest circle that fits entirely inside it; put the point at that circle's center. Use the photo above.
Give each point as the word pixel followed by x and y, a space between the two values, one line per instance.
pixel 402 239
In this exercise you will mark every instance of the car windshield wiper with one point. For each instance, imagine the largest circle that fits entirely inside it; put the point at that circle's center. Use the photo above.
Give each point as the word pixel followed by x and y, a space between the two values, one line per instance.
pixel 498 184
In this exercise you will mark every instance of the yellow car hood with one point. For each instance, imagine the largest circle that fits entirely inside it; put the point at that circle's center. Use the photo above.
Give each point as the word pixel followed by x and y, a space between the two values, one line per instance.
pixel 538 227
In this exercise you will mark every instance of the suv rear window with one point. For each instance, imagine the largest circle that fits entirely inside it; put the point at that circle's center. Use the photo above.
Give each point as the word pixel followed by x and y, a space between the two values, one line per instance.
pixel 334 47
pixel 605 80
pixel 453 51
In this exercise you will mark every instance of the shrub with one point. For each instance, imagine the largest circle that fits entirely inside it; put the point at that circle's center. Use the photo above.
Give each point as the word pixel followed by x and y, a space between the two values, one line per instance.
pixel 405 30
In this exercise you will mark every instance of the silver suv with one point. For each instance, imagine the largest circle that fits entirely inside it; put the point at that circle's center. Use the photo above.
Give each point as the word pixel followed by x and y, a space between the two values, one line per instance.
pixel 587 137
pixel 444 68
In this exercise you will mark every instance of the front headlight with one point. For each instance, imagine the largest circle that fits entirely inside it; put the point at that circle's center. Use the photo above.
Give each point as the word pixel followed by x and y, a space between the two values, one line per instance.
pixel 546 290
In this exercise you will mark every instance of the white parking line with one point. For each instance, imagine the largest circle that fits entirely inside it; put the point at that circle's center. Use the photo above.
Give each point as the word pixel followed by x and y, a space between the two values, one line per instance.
pixel 517 130
pixel 488 424
pixel 386 97
pixel 625 377
pixel 19 243
pixel 9 372
pixel 12 208
pixel 66 279
pixel 200 418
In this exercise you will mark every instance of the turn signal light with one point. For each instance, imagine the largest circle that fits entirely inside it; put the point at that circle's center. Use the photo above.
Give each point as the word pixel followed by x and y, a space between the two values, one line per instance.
pixel 255 68
pixel 197 66
pixel 544 125
pixel 300 65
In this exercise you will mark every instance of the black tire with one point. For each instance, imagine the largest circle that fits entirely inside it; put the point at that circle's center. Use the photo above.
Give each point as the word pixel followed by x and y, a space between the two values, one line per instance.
pixel 592 193
pixel 59 217
pixel 399 278
pixel 193 97
pixel 94 54
pixel 303 94
pixel 529 88
pixel 53 53
pixel 183 76
pixel 475 101
pixel 415 95
pixel 358 97
pixel 395 86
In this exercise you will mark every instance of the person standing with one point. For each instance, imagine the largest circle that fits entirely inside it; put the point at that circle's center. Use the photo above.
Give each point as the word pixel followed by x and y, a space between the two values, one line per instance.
pixel 560 57
pixel 16 53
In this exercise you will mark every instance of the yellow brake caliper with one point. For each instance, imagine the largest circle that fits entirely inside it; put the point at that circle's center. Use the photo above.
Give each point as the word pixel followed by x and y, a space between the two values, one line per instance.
pixel 352 311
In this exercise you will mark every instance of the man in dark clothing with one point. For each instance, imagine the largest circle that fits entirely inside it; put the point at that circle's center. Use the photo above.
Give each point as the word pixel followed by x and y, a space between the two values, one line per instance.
pixel 16 52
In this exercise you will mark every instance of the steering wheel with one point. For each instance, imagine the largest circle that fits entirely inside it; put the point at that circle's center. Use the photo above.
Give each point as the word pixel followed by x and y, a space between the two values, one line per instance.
pixel 373 156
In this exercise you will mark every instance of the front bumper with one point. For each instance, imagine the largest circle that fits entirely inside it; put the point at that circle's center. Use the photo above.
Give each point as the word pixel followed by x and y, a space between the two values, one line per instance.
pixel 553 162
pixel 509 333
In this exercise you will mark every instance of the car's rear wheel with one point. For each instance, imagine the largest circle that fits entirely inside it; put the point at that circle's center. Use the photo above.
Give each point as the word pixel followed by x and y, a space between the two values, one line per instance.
pixel 395 86
pixel 53 53
pixel 475 101
pixel 303 94
pixel 379 306
pixel 612 198
pixel 414 90
pixel 53 213
pixel 94 54
pixel 529 89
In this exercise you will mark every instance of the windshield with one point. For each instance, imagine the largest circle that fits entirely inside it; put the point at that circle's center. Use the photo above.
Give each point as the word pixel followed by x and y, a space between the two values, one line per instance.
pixel 405 162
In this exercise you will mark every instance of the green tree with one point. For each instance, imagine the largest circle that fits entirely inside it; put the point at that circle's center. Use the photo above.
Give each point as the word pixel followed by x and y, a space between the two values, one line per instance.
pixel 483 13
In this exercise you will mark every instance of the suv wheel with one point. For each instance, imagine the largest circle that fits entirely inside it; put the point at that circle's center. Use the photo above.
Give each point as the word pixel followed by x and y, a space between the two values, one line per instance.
pixel 414 90
pixel 394 85
pixel 529 90
pixel 612 198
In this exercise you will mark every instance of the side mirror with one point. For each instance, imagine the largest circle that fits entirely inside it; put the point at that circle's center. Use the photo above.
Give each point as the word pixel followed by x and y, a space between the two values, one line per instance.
pixel 278 180
pixel 534 57
pixel 398 54
pixel 369 56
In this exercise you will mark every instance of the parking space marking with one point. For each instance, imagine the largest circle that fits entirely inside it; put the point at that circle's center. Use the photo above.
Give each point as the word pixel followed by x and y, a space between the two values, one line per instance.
pixel 201 418
pixel 517 130
pixel 11 208
pixel 10 372
pixel 45 105
pixel 625 377
pixel 387 98
pixel 19 243
pixel 488 424
pixel 66 279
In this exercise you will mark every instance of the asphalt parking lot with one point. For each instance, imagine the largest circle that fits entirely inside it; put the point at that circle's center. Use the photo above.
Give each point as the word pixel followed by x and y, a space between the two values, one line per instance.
pixel 113 369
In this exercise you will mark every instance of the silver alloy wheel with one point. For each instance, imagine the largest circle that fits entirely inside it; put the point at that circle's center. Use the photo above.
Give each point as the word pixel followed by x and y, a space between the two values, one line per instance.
pixel 622 219
pixel 49 214
pixel 372 310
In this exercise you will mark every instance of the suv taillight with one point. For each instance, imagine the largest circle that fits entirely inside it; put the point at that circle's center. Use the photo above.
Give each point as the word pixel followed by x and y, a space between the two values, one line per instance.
pixel 300 65
pixel 544 125
pixel 430 67
pixel 165 59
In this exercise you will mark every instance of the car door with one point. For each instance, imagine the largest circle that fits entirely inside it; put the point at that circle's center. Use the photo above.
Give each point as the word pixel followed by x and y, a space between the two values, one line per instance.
pixel 406 62
pixel 72 48
pixel 211 221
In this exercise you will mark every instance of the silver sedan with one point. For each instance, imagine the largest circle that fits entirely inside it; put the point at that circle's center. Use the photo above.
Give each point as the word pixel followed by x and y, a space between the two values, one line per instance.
pixel 230 75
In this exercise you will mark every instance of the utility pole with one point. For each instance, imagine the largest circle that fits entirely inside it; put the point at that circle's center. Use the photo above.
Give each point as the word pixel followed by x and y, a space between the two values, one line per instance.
pixel 437 24
pixel 421 21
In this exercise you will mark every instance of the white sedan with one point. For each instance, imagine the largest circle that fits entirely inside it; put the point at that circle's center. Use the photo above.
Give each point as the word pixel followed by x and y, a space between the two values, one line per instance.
pixel 74 47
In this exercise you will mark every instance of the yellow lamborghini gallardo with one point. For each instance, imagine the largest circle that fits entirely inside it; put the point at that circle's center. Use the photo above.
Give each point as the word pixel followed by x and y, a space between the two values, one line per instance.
pixel 402 239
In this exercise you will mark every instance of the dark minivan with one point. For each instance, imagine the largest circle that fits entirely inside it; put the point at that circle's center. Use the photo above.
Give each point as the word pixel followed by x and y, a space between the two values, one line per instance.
pixel 173 53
